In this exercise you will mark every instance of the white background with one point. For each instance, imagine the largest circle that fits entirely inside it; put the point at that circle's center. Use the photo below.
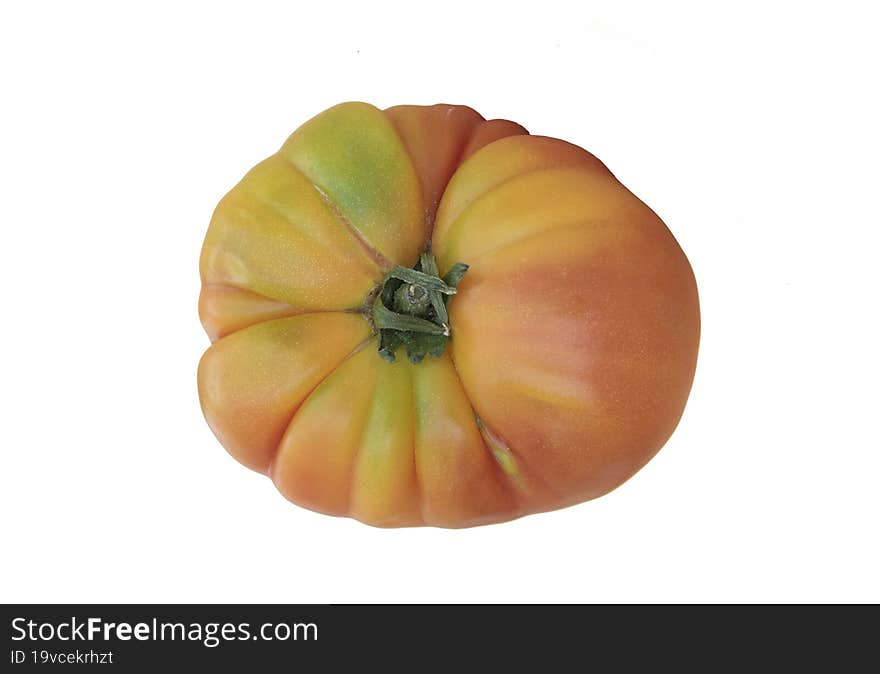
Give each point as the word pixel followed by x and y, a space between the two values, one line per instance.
pixel 752 131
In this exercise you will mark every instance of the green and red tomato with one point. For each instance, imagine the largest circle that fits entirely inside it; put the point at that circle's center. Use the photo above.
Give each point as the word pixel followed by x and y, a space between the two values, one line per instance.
pixel 420 317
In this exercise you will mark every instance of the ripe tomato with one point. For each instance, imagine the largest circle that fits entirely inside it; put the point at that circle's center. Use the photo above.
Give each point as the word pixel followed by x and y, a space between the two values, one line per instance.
pixel 422 317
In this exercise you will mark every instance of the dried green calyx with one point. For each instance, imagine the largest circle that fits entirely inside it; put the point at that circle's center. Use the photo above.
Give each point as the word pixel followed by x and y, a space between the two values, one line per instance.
pixel 410 309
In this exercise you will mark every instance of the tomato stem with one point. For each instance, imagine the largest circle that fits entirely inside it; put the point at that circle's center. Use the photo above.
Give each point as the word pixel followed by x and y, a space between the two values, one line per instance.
pixel 410 309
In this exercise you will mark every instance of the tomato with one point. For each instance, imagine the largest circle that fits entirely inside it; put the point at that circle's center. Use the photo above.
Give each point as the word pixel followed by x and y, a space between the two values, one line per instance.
pixel 420 317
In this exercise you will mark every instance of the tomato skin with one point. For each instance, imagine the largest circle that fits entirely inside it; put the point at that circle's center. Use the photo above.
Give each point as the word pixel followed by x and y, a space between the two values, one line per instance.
pixel 609 381
pixel 439 138
pixel 574 331
pixel 577 325
pixel 393 445
pixel 251 381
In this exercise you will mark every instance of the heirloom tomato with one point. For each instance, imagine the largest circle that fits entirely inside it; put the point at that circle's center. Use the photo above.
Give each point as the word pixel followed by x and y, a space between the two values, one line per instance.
pixel 421 317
